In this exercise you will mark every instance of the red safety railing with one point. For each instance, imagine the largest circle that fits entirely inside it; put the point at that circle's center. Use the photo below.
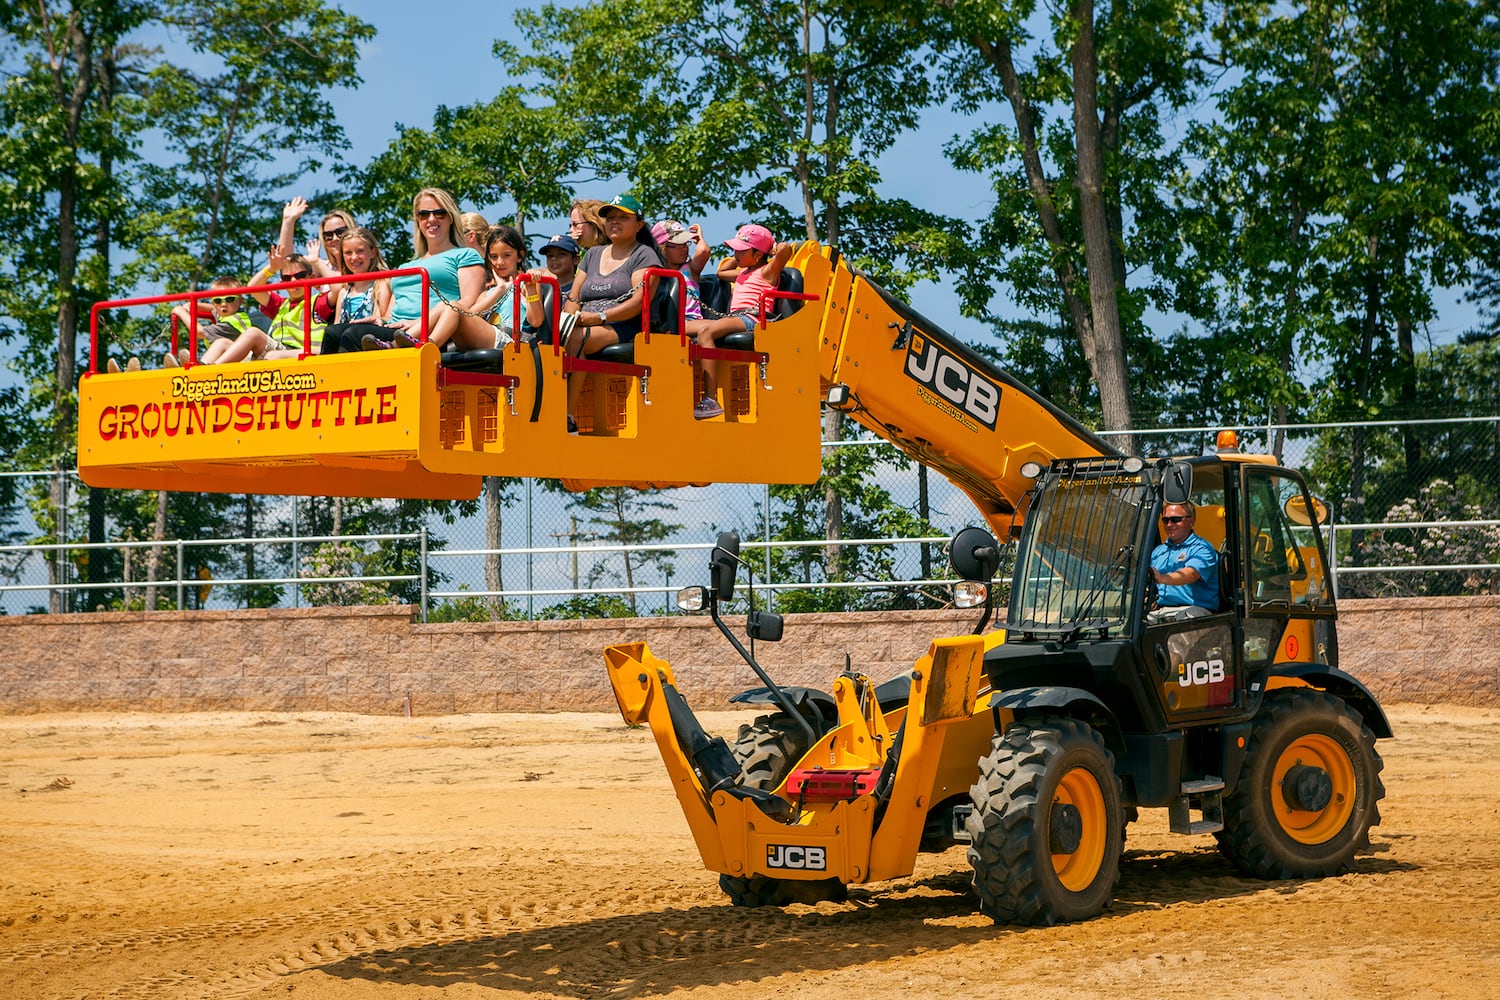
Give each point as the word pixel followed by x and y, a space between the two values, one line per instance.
pixel 193 298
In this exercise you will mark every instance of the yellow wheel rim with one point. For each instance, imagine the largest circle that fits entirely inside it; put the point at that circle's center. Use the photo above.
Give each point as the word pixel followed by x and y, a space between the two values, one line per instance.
pixel 1314 826
pixel 1080 789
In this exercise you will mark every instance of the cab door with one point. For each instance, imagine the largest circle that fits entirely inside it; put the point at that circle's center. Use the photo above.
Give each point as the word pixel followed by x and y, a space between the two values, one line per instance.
pixel 1287 588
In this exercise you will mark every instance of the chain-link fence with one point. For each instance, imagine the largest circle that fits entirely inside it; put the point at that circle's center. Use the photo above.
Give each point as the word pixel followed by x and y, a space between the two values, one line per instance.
pixel 1413 508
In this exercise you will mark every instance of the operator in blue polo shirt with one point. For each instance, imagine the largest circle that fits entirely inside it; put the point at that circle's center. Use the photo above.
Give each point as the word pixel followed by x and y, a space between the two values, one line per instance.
pixel 1185 568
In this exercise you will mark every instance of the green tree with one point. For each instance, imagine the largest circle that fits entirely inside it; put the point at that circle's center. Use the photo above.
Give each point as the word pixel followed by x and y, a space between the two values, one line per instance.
pixel 502 152
pixel 1349 178
pixel 73 192
pixel 1078 162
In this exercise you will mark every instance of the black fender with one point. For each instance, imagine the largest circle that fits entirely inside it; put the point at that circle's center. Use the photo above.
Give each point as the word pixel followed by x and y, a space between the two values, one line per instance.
pixel 894 693
pixel 1074 703
pixel 1345 686
pixel 811 702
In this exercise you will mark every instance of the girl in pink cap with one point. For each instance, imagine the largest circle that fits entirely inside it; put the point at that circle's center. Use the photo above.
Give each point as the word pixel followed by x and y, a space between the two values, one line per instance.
pixel 754 269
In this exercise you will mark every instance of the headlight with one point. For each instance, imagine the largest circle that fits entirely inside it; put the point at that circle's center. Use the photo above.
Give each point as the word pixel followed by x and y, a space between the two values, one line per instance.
pixel 968 594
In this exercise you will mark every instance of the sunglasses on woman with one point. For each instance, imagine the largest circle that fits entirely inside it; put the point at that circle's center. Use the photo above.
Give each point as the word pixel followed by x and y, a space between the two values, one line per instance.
pixel 432 213
pixel 335 234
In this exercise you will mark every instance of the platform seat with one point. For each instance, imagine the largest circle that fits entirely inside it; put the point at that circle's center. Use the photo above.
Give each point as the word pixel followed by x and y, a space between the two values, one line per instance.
pixel 791 281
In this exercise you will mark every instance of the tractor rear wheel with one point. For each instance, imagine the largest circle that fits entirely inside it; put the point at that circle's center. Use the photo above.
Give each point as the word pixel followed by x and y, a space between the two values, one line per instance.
pixel 1308 792
pixel 768 749
pixel 1045 832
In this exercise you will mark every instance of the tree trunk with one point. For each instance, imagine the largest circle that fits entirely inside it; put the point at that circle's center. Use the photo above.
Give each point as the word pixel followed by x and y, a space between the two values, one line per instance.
pixel 999 56
pixel 492 570
pixel 153 561
pixel 1110 369
pixel 833 502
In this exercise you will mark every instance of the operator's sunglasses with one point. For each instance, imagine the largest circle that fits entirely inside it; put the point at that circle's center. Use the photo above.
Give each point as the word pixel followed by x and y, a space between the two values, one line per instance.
pixel 224 300
pixel 335 234
pixel 432 213
pixel 1172 520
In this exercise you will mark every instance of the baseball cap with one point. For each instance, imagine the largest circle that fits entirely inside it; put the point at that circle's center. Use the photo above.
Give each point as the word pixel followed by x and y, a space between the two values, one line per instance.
pixel 752 237
pixel 667 231
pixel 563 242
pixel 624 202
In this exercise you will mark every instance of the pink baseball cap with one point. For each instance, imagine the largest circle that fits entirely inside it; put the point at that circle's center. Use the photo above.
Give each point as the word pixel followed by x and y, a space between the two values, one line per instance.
pixel 752 237
pixel 667 231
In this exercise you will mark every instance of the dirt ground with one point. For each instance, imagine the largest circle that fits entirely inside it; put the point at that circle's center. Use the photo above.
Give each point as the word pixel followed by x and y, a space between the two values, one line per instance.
pixel 342 856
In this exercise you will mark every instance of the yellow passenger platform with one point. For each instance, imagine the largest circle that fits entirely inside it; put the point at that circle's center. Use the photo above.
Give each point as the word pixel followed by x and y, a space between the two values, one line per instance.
pixel 398 423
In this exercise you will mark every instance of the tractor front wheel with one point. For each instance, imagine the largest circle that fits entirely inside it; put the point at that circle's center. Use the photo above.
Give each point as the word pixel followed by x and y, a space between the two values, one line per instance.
pixel 1046 829
pixel 768 749
pixel 1308 792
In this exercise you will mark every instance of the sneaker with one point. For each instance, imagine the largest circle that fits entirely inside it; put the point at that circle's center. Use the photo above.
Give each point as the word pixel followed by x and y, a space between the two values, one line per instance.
pixel 182 356
pixel 402 340
pixel 169 360
pixel 572 426
pixel 707 409
pixel 370 342
pixel 134 364
pixel 112 366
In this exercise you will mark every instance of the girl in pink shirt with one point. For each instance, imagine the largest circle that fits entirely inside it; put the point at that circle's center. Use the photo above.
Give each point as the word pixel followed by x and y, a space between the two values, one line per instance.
pixel 755 269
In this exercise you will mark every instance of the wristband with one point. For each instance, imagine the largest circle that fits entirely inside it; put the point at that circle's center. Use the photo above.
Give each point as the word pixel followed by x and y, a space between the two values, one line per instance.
pixel 533 298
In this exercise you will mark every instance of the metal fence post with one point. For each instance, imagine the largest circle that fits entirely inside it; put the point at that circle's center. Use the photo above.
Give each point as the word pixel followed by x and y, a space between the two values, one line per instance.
pixel 424 572
pixel 179 574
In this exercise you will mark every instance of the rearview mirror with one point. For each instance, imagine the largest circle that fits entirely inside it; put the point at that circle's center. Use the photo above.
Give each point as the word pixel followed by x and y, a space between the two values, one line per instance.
pixel 725 560
pixel 974 555
pixel 692 599
pixel 1177 483
pixel 764 626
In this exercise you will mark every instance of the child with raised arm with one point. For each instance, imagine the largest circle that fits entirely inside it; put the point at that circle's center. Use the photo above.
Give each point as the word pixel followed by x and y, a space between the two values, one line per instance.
pixel 754 270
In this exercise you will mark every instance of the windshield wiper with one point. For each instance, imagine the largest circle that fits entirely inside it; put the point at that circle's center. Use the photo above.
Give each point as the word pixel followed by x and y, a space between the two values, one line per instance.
pixel 1082 620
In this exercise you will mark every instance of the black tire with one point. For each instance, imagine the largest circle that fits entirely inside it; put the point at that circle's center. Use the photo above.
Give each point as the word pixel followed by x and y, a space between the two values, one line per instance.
pixel 768 749
pixel 1308 792
pixel 1045 833
pixel 757 890
pixel 763 890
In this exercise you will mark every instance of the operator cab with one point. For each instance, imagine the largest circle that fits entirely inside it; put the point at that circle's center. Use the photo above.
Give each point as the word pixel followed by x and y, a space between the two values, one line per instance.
pixel 1083 586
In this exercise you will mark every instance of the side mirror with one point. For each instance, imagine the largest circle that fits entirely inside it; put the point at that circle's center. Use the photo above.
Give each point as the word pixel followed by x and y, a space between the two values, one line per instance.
pixel 692 598
pixel 1299 512
pixel 974 555
pixel 725 560
pixel 1177 483
pixel 764 626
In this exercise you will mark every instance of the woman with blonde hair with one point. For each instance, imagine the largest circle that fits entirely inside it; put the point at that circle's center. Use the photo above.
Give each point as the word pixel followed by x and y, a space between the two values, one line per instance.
pixel 455 272
pixel 473 228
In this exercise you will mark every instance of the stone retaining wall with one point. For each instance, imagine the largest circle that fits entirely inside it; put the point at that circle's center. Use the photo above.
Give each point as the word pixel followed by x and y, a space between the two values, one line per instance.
pixel 371 659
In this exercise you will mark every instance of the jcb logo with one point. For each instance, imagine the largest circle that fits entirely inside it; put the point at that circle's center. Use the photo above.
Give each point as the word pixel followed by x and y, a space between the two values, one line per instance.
pixel 953 380
pixel 811 859
pixel 1200 672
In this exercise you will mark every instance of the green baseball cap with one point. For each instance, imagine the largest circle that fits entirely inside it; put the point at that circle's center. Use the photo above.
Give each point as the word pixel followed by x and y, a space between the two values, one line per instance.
pixel 624 202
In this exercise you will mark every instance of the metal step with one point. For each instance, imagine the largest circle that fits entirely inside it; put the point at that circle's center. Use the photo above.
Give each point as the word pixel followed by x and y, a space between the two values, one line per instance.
pixel 1209 791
